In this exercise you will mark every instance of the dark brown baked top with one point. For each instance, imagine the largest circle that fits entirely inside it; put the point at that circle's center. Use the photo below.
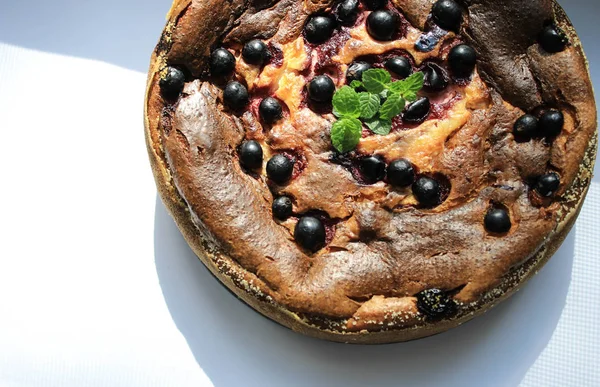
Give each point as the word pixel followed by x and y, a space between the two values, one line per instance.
pixel 486 155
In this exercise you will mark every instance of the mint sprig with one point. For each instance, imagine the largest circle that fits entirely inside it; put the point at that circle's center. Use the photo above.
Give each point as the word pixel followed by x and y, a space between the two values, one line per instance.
pixel 376 80
pixel 377 106
pixel 345 134
pixel 369 105
pixel 393 105
pixel 346 103
pixel 379 126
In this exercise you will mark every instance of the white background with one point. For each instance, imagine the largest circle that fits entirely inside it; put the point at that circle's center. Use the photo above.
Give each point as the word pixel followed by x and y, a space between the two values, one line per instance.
pixel 98 288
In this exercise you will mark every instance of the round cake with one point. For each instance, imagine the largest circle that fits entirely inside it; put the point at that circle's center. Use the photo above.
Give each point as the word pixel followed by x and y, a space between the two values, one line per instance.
pixel 371 171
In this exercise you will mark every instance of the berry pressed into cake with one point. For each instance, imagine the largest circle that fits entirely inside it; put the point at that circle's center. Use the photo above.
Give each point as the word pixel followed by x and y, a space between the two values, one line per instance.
pixel 371 171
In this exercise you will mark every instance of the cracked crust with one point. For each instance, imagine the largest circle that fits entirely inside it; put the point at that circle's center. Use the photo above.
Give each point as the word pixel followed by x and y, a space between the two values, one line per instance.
pixel 355 291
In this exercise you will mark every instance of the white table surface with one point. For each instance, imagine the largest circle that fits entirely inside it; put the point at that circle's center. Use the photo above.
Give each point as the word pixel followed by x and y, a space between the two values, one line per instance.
pixel 98 288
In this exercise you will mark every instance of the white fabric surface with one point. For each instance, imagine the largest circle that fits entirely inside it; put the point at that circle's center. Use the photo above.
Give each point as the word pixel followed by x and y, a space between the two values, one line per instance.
pixel 98 288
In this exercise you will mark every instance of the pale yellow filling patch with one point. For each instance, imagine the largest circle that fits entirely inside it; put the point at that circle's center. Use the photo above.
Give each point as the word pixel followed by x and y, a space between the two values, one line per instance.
pixel 289 90
pixel 247 71
pixel 423 144
pixel 361 43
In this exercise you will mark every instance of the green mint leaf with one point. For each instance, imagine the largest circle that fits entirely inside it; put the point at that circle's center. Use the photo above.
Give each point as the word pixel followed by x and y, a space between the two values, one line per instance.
pixel 408 86
pixel 369 105
pixel 379 126
pixel 410 96
pixel 345 134
pixel 398 87
pixel 356 84
pixel 345 103
pixel 376 80
pixel 392 106
pixel 414 82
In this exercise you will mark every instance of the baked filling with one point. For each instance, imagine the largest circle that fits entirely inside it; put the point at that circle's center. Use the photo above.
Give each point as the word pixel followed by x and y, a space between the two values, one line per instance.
pixel 403 219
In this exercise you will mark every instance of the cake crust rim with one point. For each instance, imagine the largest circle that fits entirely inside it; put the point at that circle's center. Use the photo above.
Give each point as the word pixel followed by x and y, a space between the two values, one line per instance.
pixel 232 275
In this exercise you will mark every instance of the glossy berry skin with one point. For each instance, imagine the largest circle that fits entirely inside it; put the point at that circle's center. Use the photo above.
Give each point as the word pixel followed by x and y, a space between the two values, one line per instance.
pixel 347 12
pixel 401 173
pixel 427 191
pixel 374 5
pixel 222 62
pixel 434 78
pixel 447 14
pixel 321 89
pixel 319 29
pixel 372 169
pixel 171 85
pixel 255 52
pixel 235 95
pixel 435 303
pixel 310 233
pixel 526 126
pixel 417 111
pixel 462 60
pixel 355 71
pixel 400 66
pixel 547 184
pixel 282 208
pixel 497 221
pixel 382 25
pixel 270 110
pixel 251 155
pixel 551 123
pixel 553 39
pixel 280 169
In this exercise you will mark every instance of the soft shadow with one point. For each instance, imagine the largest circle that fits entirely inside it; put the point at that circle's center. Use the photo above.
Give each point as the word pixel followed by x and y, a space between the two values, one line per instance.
pixel 120 32
pixel 235 345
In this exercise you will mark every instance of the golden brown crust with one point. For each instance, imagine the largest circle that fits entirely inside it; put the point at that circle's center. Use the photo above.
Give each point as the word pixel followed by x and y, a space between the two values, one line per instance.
pixel 396 315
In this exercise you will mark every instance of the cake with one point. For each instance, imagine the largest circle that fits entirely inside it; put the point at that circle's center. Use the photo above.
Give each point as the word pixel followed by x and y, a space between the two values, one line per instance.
pixel 371 171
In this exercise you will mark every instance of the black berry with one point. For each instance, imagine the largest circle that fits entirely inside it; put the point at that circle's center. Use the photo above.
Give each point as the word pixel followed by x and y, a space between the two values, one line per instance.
pixel 282 208
pixel 319 29
pixel 310 233
pixel 280 169
pixel 172 83
pixel 400 66
pixel 401 173
pixel 497 221
pixel 222 62
pixel 435 78
pixel 235 95
pixel 435 303
pixel 551 123
pixel 427 191
pixel 270 110
pixel 548 184
pixel 372 169
pixel 374 5
pixel 553 39
pixel 321 89
pixel 347 12
pixel 255 52
pixel 462 60
pixel 355 71
pixel 447 14
pixel 251 155
pixel 526 126
pixel 382 25
pixel 417 111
